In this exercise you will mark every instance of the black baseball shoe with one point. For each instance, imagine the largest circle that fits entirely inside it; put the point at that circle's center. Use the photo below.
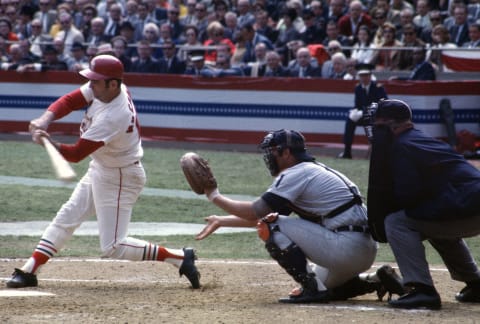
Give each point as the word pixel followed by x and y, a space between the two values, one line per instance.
pixel 189 269
pixel 391 281
pixel 469 294
pixel 308 293
pixel 343 155
pixel 21 279
pixel 418 299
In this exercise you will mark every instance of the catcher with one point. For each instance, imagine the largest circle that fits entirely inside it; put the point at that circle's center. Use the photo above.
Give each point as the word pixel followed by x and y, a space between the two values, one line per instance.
pixel 327 248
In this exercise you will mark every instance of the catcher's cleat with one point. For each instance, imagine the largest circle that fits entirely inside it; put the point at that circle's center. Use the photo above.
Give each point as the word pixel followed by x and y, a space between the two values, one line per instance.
pixel 391 282
pixel 189 269
pixel 21 279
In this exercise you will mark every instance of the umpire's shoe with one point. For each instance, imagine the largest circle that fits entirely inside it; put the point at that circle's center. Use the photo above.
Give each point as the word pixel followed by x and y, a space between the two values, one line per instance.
pixel 469 294
pixel 390 280
pixel 419 297
pixel 189 269
pixel 21 279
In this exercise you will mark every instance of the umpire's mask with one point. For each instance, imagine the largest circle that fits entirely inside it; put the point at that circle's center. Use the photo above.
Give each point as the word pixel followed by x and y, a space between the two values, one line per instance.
pixel 279 140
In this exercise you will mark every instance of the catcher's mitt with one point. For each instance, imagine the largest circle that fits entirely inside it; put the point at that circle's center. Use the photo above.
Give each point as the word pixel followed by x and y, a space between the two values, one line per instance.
pixel 197 172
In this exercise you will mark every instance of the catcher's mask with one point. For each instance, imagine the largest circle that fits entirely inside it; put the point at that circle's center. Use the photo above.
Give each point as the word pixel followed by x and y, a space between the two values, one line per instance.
pixel 280 140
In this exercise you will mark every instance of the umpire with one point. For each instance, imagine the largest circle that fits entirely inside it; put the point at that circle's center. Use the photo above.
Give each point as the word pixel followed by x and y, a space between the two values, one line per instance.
pixel 367 91
pixel 329 245
pixel 435 197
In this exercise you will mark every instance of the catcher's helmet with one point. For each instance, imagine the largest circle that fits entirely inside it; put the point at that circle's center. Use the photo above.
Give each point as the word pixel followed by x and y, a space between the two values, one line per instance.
pixel 395 109
pixel 104 67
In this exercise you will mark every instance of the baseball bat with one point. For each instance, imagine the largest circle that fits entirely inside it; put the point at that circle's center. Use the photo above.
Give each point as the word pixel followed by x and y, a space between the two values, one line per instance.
pixel 62 168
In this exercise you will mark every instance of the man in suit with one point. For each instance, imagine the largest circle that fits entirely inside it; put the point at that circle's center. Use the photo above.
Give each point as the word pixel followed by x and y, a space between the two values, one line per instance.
pixel 97 31
pixel 252 38
pixel 304 68
pixel 46 15
pixel 145 63
pixel 274 66
pixel 423 69
pixel 474 34
pixel 459 30
pixel 170 63
pixel 366 93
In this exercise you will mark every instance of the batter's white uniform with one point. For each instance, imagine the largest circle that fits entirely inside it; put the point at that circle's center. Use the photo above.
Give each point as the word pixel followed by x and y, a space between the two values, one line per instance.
pixel 335 256
pixel 112 184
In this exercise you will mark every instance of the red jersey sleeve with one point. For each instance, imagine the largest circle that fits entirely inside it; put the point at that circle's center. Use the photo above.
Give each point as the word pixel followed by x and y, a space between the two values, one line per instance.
pixel 80 150
pixel 68 103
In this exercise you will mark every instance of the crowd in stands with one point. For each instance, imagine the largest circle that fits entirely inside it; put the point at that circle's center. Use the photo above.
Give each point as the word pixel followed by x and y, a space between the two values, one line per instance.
pixel 211 38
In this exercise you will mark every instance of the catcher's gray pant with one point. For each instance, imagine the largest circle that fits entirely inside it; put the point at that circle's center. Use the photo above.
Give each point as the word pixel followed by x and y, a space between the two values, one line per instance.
pixel 335 257
pixel 406 234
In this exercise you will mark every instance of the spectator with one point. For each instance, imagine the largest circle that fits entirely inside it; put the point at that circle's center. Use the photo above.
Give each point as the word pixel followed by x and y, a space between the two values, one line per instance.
pixel 422 18
pixel 50 62
pixel 434 195
pixel 189 19
pixel 223 67
pixel 69 33
pixel 197 66
pixel 274 66
pixel 6 31
pixel 257 68
pixel 422 69
pixel 349 23
pixel 26 53
pixel 191 35
pixel 240 49
pixel 131 12
pixel 401 5
pixel 435 18
pixel 145 63
pixel 78 59
pixel 367 92
pixel 459 30
pixel 363 50
pixel 389 14
pixel 59 46
pixel 231 25
pixel 143 19
pixel 244 14
pixel 473 11
pixel 89 12
pixel 37 39
pixel 202 20
pixel 97 34
pixel 314 33
pixel 220 9
pixel 176 27
pixel 339 65
pixel 287 34
pixel 252 39
pixel 474 35
pixel 23 27
pixel 216 37
pixel 387 59
pixel 336 10
pixel 127 31
pixel 351 71
pixel 262 26
pixel 320 13
pixel 120 51
pixel 46 14
pixel 16 60
pixel 113 21
pixel 441 40
pixel 379 18
pixel 327 67
pixel 334 34
pixel 304 68
pixel 170 63
pixel 297 22
pixel 57 26
pixel 406 61
pixel 406 18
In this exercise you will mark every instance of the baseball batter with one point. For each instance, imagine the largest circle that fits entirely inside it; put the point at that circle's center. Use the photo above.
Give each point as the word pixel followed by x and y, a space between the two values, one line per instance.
pixel 110 135
pixel 329 245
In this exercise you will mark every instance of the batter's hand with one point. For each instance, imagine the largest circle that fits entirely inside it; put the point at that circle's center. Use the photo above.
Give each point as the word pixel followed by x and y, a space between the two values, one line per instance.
pixel 41 122
pixel 213 223
pixel 37 134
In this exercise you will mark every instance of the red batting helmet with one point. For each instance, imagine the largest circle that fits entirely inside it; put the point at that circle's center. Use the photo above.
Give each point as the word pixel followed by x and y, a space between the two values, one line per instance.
pixel 104 67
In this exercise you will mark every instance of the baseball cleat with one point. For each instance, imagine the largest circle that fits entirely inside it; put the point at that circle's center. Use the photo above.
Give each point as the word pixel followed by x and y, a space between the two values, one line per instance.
pixel 302 296
pixel 390 280
pixel 417 300
pixel 189 269
pixel 21 279
pixel 468 294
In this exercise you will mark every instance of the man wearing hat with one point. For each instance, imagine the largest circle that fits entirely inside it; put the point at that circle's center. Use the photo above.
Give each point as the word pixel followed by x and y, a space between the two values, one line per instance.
pixel 434 195
pixel 110 136
pixel 367 91
pixel 324 249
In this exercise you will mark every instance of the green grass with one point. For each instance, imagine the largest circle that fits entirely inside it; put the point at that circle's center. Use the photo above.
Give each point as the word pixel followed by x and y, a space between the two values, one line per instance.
pixel 236 172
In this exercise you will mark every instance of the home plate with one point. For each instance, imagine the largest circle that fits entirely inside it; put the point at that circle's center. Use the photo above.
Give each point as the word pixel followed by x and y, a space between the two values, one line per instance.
pixel 23 293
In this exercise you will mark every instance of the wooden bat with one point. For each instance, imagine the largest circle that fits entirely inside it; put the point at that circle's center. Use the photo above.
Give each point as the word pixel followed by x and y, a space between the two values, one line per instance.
pixel 62 168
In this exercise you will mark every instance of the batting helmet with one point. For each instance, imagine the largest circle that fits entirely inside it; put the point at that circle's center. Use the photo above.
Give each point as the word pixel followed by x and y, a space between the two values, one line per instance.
pixel 104 67
pixel 395 109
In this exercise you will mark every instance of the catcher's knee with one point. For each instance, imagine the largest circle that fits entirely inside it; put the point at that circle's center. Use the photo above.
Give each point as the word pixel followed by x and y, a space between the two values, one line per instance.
pixel 265 225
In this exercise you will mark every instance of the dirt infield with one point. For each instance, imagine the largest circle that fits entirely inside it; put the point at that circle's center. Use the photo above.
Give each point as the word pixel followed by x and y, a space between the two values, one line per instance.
pixel 94 291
